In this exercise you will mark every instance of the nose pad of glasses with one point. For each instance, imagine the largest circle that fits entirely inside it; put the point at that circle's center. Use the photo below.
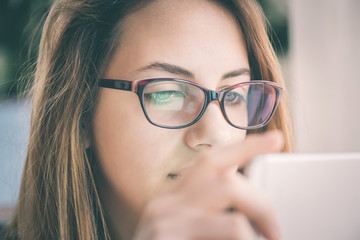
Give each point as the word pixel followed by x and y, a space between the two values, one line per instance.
pixel 213 96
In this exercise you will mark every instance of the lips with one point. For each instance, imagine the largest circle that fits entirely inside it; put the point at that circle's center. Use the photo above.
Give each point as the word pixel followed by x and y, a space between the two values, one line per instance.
pixel 241 170
pixel 180 171
pixel 173 175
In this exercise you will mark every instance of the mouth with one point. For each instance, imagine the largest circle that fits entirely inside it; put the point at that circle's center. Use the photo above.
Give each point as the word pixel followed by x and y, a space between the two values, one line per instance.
pixel 177 172
pixel 173 175
pixel 241 170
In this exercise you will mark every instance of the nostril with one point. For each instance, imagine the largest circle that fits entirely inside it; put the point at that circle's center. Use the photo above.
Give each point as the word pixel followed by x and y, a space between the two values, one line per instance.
pixel 172 175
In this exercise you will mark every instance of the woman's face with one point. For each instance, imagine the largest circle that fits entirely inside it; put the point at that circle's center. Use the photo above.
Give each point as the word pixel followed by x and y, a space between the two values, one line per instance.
pixel 194 40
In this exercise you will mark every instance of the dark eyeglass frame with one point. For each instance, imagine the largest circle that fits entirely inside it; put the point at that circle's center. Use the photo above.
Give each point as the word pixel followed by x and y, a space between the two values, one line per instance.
pixel 138 87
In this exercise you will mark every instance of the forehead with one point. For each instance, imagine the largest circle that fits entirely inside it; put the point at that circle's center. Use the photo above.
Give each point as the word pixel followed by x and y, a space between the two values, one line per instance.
pixel 186 15
pixel 197 35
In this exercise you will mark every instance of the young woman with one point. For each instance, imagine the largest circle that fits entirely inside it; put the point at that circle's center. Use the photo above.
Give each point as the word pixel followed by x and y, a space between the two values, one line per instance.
pixel 143 115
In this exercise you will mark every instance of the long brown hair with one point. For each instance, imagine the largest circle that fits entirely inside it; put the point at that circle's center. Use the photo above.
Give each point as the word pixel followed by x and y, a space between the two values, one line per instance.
pixel 58 196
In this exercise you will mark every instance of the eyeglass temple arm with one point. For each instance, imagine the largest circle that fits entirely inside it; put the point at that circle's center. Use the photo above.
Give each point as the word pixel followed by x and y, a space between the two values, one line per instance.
pixel 116 84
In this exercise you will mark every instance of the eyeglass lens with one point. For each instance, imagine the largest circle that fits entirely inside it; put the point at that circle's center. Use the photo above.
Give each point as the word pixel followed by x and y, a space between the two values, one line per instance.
pixel 254 106
pixel 174 104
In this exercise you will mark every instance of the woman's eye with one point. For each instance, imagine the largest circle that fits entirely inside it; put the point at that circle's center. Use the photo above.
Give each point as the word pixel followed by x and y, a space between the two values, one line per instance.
pixel 173 100
pixel 234 98
pixel 163 96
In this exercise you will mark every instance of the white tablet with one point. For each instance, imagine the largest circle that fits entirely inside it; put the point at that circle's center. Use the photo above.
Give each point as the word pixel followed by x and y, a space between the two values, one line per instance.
pixel 315 196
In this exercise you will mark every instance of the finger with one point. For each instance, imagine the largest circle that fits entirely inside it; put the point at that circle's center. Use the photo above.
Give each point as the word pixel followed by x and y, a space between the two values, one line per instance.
pixel 240 154
pixel 194 224
pixel 247 199
pixel 219 192
pixel 212 165
pixel 237 192
pixel 234 156
pixel 225 226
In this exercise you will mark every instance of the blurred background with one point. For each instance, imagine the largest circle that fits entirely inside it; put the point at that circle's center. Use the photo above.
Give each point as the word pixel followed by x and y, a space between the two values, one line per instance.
pixel 317 41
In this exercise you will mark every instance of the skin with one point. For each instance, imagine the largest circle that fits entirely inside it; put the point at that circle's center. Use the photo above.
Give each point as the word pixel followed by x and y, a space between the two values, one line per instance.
pixel 201 42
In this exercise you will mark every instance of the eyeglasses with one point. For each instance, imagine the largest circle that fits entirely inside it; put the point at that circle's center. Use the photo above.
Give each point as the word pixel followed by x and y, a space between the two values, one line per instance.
pixel 177 103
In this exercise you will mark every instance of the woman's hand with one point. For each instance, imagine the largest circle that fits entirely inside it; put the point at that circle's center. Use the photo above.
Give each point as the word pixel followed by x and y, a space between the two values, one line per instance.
pixel 211 200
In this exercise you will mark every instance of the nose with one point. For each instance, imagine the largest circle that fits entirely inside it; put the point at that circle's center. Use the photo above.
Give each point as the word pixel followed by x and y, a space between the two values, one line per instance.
pixel 211 130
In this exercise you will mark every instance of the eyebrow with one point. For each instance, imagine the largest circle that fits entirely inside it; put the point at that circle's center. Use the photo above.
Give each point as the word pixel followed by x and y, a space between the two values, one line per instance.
pixel 236 73
pixel 170 68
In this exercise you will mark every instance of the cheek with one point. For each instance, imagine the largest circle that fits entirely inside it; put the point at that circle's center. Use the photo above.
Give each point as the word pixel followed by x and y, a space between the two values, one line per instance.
pixel 133 154
pixel 115 140
pixel 238 136
pixel 242 135
pixel 134 171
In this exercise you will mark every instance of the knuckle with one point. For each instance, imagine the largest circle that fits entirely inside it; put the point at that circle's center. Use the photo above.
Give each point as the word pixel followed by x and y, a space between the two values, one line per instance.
pixel 265 210
pixel 230 185
pixel 156 219
pixel 158 230
pixel 237 225
pixel 156 208
pixel 153 207
pixel 267 206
